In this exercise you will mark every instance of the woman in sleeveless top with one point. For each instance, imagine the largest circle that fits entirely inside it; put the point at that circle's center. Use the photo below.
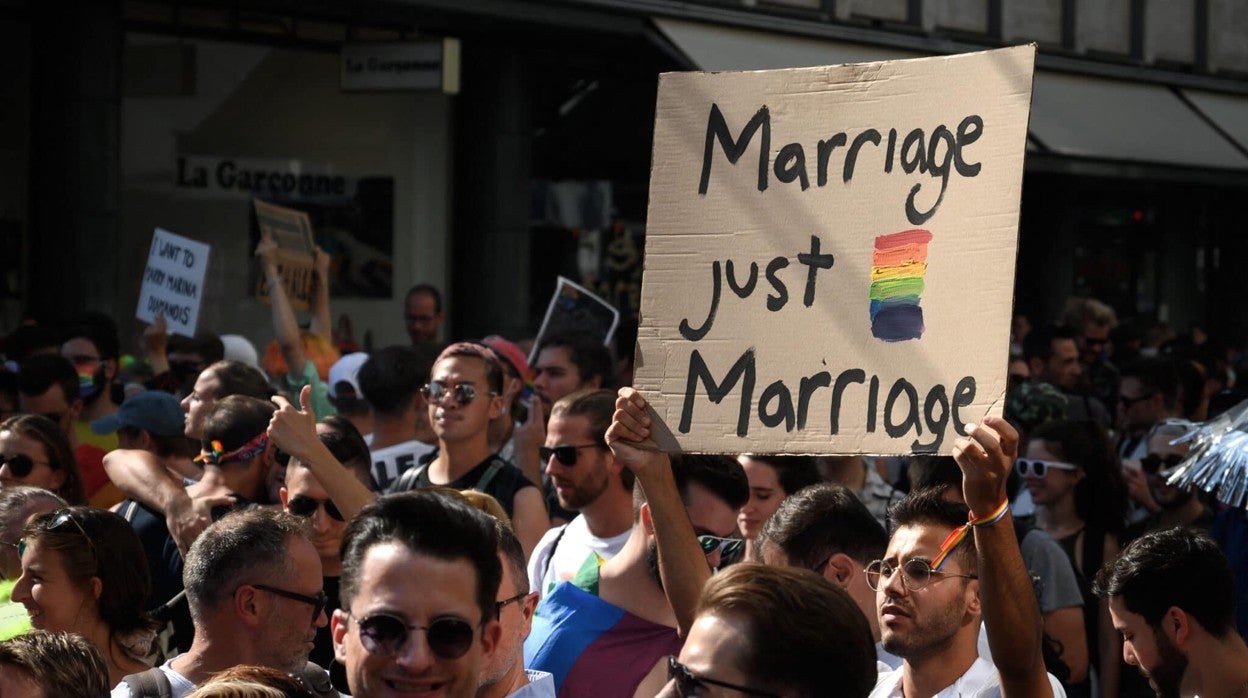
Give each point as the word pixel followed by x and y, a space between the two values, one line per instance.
pixel 1074 479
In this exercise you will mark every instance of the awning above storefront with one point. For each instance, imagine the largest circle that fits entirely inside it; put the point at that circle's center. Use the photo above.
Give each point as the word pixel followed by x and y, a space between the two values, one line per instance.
pixel 1075 116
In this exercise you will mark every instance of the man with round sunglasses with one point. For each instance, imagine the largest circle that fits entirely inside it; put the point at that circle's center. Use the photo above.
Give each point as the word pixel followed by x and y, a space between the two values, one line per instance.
pixel 420 580
pixel 947 566
pixel 587 479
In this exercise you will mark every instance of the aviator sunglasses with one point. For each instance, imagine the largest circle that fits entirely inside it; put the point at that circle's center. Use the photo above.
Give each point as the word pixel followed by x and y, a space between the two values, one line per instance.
pixel 385 635
pixel 1040 468
pixel 564 454
pixel 304 507
pixel 436 392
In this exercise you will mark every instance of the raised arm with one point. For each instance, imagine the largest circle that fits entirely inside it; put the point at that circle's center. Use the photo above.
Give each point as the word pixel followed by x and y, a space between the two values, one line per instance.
pixel 321 324
pixel 682 564
pixel 140 476
pixel 155 345
pixel 294 431
pixel 1011 612
pixel 284 325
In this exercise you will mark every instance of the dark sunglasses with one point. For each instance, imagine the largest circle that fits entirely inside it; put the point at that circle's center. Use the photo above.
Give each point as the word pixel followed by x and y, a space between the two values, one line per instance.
pixel 318 602
pixel 385 635
pixel 1153 463
pixel 689 685
pixel 59 520
pixel 436 392
pixel 728 548
pixel 1127 402
pixel 564 454
pixel 304 507
pixel 20 465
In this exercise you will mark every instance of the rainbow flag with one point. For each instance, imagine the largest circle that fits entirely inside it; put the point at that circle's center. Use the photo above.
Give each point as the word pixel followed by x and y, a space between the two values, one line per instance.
pixel 897 270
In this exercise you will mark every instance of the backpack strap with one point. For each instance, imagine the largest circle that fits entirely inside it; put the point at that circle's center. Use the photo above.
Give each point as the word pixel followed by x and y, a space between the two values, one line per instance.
pixel 487 477
pixel 149 684
pixel 550 555
pixel 317 680
pixel 407 481
pixel 129 510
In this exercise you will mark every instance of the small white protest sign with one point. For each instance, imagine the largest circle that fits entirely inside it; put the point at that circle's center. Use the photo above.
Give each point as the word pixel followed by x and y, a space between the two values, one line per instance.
pixel 830 253
pixel 173 282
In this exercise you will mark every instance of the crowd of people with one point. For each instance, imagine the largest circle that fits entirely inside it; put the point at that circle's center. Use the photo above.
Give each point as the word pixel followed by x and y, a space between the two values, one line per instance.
pixel 447 518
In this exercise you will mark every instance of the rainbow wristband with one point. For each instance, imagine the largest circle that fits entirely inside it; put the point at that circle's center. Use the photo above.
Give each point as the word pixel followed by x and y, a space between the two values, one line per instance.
pixel 959 534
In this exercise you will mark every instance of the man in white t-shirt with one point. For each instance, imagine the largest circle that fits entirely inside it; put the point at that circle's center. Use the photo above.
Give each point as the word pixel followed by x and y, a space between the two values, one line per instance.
pixel 391 380
pixel 588 479
pixel 932 590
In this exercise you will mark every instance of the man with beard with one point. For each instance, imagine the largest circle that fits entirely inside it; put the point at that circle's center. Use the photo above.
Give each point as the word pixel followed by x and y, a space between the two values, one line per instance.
pixel 504 675
pixel 1172 596
pixel 1177 506
pixel 610 629
pixel 92 347
pixel 940 575
pixel 587 479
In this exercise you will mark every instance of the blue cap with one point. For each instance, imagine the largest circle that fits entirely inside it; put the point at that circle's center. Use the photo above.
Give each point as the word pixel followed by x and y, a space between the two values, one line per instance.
pixel 153 411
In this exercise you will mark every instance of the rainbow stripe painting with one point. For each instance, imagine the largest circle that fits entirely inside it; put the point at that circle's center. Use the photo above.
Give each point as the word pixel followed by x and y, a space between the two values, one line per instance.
pixel 897 270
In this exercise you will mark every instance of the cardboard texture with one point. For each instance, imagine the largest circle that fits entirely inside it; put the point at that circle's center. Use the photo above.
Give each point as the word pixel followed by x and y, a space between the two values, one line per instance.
pixel 830 253
pixel 292 231
pixel 173 282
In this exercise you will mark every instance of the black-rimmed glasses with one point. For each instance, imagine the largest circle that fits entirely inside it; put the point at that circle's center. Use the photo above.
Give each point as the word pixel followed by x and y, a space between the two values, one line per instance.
pixel 688 683
pixel 500 605
pixel 385 635
pixel 318 602
pixel 1153 463
pixel 916 573
pixel 566 455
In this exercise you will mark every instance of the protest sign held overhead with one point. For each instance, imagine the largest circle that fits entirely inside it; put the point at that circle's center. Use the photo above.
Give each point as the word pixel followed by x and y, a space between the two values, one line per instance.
pixel 292 231
pixel 173 282
pixel 574 308
pixel 830 253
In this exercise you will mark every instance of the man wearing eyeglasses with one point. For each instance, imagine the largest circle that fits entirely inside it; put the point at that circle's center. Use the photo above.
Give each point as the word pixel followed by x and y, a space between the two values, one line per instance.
pixel 608 631
pixel 587 479
pixel 253 583
pixel 1177 506
pixel 940 576
pixel 420 578
pixel 503 674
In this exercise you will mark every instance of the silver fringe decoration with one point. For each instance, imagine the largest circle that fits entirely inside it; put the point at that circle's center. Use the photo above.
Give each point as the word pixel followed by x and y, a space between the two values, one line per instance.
pixel 1217 463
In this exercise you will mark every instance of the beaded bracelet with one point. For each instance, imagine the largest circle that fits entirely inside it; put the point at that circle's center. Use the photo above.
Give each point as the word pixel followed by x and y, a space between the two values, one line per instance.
pixel 959 534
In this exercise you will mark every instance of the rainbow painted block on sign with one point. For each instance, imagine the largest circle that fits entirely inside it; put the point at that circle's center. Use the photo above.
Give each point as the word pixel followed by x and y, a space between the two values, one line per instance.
pixel 897 270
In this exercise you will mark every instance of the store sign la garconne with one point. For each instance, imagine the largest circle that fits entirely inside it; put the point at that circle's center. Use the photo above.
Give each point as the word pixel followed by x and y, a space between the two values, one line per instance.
pixel 248 177
pixel 830 254
pixel 414 65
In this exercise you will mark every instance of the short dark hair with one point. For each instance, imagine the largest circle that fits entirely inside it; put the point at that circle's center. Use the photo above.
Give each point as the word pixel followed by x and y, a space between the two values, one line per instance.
pixel 1174 567
pixel 587 352
pixel 513 553
pixel 799 625
pixel 391 377
pixel 597 407
pixel 429 289
pixel 722 476
pixel 493 367
pixel 98 328
pixel 349 448
pixel 238 378
pixel 929 506
pixel 820 521
pixel 63 664
pixel 430 524
pixel 794 472
pixel 40 372
pixel 244 546
pixel 1156 375
pixel 1038 344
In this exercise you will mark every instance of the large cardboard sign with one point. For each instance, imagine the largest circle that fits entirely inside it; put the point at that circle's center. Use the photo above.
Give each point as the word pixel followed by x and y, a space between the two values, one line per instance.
pixel 292 231
pixel 173 282
pixel 830 253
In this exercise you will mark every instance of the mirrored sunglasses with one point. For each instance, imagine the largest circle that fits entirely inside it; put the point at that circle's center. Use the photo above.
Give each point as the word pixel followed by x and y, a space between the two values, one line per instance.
pixel 437 391
pixel 385 635
pixel 729 548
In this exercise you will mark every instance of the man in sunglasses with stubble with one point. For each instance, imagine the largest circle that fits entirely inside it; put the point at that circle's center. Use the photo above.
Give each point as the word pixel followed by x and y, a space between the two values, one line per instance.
pixel 945 568
pixel 420 578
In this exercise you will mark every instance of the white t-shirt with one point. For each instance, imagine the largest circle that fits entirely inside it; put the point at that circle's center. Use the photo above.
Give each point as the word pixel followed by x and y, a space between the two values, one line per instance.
pixel 181 686
pixel 980 681
pixel 575 543
pixel 392 461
